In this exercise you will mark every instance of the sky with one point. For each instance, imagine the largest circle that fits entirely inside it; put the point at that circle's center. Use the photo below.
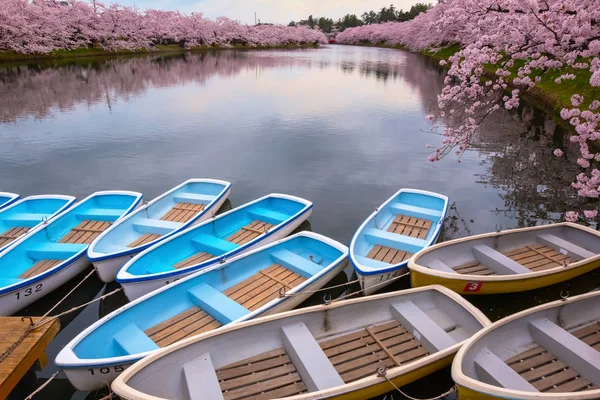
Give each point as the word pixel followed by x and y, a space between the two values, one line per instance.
pixel 274 11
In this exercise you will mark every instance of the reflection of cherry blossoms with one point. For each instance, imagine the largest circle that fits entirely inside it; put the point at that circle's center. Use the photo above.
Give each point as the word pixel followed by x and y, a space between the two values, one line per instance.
pixel 37 90
pixel 527 42
pixel 42 26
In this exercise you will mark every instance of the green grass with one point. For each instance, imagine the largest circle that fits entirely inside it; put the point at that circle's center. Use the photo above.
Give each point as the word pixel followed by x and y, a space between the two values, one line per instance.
pixel 11 56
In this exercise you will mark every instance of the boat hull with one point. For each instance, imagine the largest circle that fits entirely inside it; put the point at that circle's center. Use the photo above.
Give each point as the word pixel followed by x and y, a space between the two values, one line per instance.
pixel 470 286
pixel 383 387
pixel 15 300
pixel 107 269
pixel 93 377
pixel 133 290
pixel 372 283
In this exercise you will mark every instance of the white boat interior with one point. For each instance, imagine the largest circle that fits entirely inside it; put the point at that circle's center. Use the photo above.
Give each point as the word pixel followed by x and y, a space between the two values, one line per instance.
pixel 513 252
pixel 555 350
pixel 312 351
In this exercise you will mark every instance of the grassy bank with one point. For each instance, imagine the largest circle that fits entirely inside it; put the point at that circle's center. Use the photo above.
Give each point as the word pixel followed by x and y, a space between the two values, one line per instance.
pixel 11 56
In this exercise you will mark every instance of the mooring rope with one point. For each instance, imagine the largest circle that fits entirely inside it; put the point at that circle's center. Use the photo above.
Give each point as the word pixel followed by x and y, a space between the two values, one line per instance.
pixel 42 386
pixel 45 318
pixel 303 292
pixel 382 372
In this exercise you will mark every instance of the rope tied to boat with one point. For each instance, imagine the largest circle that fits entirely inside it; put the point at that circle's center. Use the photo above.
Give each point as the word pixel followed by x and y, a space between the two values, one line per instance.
pixel 382 373
pixel 42 386
pixel 45 318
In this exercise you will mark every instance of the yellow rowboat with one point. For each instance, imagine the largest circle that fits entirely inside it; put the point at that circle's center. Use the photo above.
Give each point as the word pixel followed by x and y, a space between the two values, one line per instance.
pixel 510 261
pixel 353 349
pixel 547 352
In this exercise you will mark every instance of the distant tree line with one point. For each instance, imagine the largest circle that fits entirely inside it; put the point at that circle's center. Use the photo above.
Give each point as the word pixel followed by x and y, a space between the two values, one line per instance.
pixel 386 14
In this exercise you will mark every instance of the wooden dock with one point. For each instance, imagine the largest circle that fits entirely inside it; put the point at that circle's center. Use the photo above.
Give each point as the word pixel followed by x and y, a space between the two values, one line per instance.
pixel 24 355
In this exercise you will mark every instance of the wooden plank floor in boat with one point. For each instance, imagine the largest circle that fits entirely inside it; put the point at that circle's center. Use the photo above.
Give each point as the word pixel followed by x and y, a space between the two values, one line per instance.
pixel 144 239
pixel 401 225
pixel 264 286
pixel 249 232
pixel 547 373
pixel 536 257
pixel 410 226
pixel 359 354
pixel 85 232
pixel 191 322
pixel 12 234
pixel 194 259
pixel 39 267
pixel 182 212
pixel 265 376
pixel 388 255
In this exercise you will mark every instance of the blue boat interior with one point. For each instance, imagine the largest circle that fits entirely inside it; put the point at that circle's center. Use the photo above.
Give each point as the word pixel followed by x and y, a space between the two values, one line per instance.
pixel 217 237
pixel 5 200
pixel 170 213
pixel 209 300
pixel 16 220
pixel 401 228
pixel 64 237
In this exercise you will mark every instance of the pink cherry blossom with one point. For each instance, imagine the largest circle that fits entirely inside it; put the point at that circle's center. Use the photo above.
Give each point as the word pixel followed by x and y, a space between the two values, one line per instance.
pixel 42 26
pixel 571 216
pixel 558 153
pixel 590 213
pixel 542 36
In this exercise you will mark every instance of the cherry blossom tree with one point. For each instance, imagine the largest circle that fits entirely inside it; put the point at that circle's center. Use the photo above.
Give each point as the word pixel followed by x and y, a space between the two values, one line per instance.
pixel 43 26
pixel 507 47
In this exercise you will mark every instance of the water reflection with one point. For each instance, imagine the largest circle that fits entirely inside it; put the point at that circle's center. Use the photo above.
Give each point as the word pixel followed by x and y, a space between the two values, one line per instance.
pixel 342 126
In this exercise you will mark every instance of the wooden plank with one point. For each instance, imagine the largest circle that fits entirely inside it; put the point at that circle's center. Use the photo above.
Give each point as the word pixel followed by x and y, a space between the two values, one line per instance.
pixel 286 391
pixel 255 359
pixel 258 376
pixel 144 239
pixel 176 324
pixel 12 234
pixel 544 370
pixel 554 380
pixel 410 226
pixel 85 232
pixel 22 358
pixel 252 367
pixel 39 267
pixel 193 260
pixel 261 387
pixel 249 232
pixel 577 384
pixel 168 322
pixel 182 212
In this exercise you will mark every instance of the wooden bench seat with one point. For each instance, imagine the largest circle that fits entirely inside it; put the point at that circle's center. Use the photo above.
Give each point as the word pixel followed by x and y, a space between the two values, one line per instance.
pixel 12 234
pixel 359 354
pixel 188 323
pixel 194 259
pixel 388 255
pixel 144 239
pixel 547 373
pixel 265 376
pixel 249 232
pixel 85 232
pixel 261 288
pixel 410 226
pixel 182 212
pixel 535 257
pixel 39 267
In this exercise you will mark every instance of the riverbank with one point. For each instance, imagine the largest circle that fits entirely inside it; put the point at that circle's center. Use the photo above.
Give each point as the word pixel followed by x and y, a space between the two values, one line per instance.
pixel 547 95
pixel 11 56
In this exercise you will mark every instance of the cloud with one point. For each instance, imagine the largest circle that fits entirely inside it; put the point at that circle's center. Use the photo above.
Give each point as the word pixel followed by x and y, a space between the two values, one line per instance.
pixel 275 11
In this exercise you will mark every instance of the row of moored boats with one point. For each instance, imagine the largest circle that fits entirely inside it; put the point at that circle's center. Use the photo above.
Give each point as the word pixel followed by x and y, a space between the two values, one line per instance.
pixel 196 282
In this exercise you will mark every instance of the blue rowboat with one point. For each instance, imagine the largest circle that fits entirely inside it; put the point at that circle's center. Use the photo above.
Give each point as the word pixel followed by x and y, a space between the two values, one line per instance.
pixel 26 214
pixel 54 252
pixel 190 203
pixel 407 222
pixel 243 288
pixel 7 199
pixel 250 226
